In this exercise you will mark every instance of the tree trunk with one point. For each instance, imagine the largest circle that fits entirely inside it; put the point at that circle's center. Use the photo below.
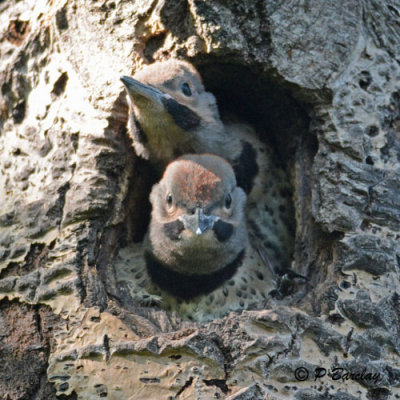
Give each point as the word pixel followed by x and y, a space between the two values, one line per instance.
pixel 319 80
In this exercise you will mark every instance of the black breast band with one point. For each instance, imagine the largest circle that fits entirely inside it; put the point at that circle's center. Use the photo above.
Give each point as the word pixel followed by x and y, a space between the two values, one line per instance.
pixel 187 287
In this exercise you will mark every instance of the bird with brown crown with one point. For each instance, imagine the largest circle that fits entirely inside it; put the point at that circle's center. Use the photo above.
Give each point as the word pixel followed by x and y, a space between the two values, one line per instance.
pixel 197 259
pixel 171 114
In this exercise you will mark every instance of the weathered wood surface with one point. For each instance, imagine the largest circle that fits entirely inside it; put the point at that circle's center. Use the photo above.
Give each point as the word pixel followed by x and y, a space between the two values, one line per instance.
pixel 319 80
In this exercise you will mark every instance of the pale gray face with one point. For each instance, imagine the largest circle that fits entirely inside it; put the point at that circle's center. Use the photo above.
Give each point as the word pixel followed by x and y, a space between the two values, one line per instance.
pixel 198 223
pixel 172 110
pixel 175 78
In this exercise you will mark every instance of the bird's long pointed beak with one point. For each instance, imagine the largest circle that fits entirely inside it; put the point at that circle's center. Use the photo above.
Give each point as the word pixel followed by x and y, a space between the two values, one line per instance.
pixel 137 89
pixel 198 223
pixel 162 112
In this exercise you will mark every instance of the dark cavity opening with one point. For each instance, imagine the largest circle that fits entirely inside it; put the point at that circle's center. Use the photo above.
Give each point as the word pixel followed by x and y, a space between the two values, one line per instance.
pixel 260 100
pixel 280 120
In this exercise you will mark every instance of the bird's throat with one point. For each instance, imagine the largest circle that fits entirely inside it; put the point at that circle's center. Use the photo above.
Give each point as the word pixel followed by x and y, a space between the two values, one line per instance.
pixel 165 140
pixel 168 129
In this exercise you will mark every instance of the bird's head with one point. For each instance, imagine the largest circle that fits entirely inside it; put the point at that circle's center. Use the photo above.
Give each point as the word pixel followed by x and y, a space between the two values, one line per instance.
pixel 169 103
pixel 198 212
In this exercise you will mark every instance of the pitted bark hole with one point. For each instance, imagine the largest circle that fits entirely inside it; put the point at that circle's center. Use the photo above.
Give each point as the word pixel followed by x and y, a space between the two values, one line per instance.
pixel 59 85
pixel 153 44
pixel 61 19
pixel 17 31
pixel 18 113
pixel 365 80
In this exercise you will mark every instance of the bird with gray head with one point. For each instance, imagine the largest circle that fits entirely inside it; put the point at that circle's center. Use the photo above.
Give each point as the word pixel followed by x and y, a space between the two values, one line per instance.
pixel 198 260
pixel 171 114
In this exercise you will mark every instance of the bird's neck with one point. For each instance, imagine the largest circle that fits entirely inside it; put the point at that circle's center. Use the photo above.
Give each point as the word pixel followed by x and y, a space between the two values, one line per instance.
pixel 185 286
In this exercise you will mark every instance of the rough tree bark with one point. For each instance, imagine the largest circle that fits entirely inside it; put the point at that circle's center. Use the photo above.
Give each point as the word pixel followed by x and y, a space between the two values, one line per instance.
pixel 320 80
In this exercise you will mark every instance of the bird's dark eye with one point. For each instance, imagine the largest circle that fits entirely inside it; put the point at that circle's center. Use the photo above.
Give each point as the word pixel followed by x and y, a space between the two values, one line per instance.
pixel 169 199
pixel 228 201
pixel 186 89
